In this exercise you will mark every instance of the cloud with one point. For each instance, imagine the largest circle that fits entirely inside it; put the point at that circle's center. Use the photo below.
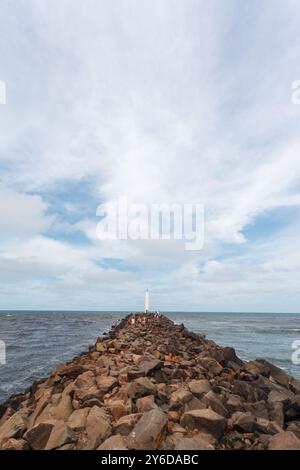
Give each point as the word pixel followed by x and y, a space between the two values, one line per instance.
pixel 161 102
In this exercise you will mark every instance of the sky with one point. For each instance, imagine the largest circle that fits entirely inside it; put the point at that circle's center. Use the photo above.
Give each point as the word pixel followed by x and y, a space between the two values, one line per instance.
pixel 157 102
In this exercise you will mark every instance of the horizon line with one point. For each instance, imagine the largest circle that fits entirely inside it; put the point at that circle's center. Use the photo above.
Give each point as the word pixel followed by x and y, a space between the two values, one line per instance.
pixel 51 310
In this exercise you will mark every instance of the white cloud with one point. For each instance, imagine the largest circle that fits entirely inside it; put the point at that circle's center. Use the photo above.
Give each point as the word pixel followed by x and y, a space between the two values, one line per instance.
pixel 159 102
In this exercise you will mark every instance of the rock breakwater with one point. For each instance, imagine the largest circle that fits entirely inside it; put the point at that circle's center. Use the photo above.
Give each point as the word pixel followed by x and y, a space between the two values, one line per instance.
pixel 152 384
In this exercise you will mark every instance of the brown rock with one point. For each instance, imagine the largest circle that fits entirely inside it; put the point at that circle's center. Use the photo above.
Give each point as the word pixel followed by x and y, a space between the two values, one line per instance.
pixel 86 386
pixel 98 427
pixel 213 401
pixel 285 440
pixel 278 374
pixel 147 365
pixel 265 426
pixel 119 408
pixel 199 441
pixel 61 434
pixel 206 421
pixel 179 398
pixel 77 420
pixel 125 424
pixel 234 403
pixel 14 426
pixel 148 432
pixel 242 422
pixel 116 442
pixel 38 436
pixel 70 370
pixel 145 404
pixel 106 384
pixel 14 444
pixel 281 396
pixel 141 387
pixel 199 387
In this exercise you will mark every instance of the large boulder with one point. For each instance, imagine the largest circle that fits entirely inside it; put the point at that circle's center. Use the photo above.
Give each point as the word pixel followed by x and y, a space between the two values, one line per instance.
pixel 77 420
pixel 285 440
pixel 212 400
pixel 141 387
pixel 278 374
pixel 144 404
pixel 61 434
pixel 106 383
pixel 206 420
pixel 125 424
pixel 148 365
pixel 242 422
pixel 98 427
pixel 70 370
pixel 199 441
pixel 14 426
pixel 148 432
pixel 14 444
pixel 119 408
pixel 116 442
pixel 38 436
pixel 199 387
pixel 179 398
pixel 86 387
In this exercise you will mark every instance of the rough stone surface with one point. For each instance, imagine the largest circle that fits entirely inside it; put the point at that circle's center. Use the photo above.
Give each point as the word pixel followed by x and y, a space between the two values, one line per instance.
pixel 148 432
pixel 98 427
pixel 38 436
pixel 204 420
pixel 152 384
pixel 116 442
pixel 284 441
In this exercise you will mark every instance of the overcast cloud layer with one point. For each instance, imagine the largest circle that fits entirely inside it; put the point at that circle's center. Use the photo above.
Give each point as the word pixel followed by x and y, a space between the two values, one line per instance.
pixel 156 101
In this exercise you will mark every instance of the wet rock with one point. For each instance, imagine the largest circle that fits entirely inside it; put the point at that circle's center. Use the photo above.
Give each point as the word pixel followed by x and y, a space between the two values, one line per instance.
pixel 148 432
pixel 205 420
pixel 285 440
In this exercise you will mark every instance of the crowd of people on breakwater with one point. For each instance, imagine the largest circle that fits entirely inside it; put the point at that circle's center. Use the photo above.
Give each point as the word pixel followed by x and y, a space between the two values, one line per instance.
pixel 135 318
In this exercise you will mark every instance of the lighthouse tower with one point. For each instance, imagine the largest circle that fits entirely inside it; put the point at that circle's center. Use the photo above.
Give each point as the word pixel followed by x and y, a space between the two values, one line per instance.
pixel 146 301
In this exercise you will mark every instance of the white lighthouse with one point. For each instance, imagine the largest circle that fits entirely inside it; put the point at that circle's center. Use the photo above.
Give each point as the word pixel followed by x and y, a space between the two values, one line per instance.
pixel 147 301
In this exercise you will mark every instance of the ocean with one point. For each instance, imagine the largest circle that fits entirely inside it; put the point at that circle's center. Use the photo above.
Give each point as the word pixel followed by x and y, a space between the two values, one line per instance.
pixel 36 342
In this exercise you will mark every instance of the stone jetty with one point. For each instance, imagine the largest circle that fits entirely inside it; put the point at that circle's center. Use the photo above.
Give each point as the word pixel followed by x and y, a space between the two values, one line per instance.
pixel 152 384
